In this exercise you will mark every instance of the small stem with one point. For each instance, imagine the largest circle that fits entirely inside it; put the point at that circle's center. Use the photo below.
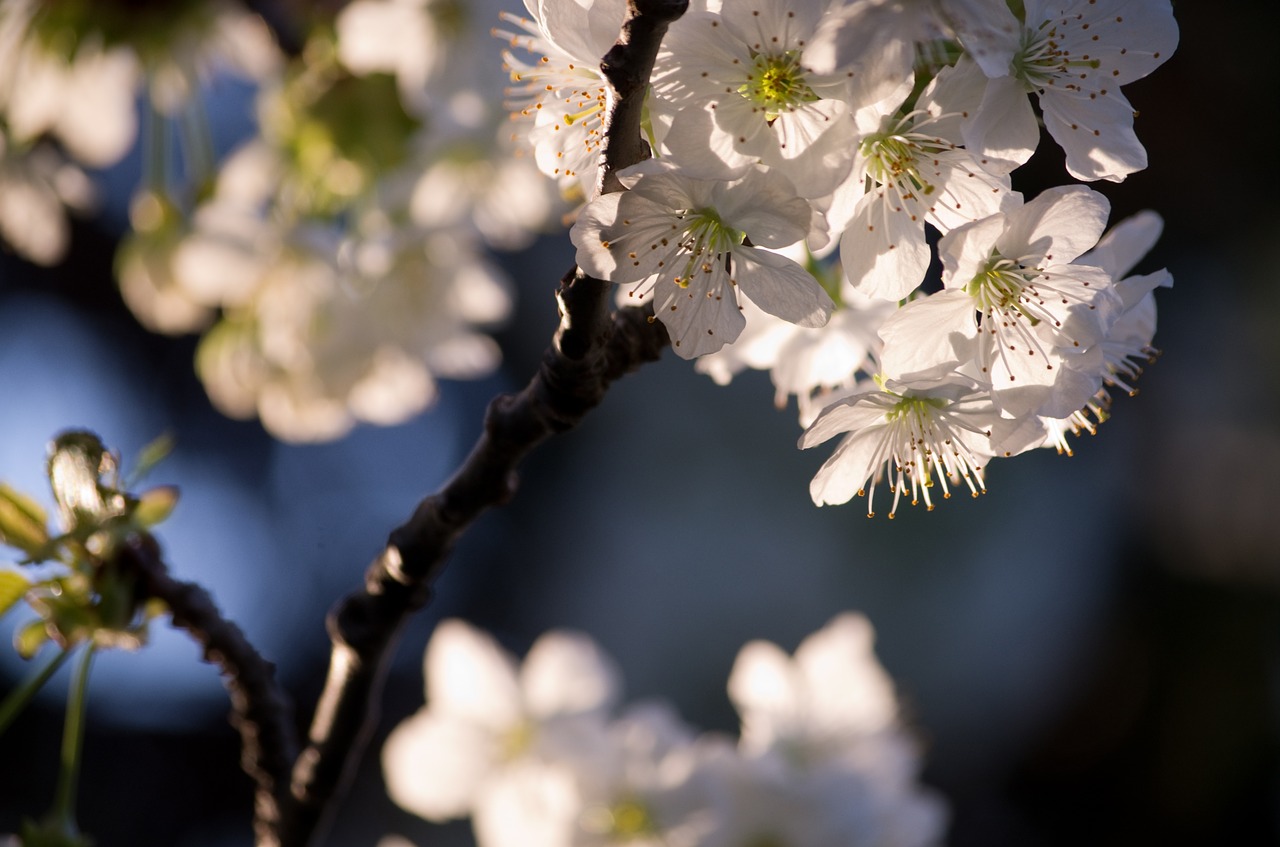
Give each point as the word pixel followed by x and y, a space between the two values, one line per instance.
pixel 155 149
pixel 20 697
pixel 64 804
pixel 197 144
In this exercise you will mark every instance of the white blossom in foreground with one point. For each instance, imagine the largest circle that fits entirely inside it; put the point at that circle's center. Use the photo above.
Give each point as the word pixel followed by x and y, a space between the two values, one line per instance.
pixel 691 244
pixel 827 761
pixel 1074 55
pixel 560 97
pixel 485 715
pixel 647 785
pixel 824 760
pixel 936 435
pixel 1128 343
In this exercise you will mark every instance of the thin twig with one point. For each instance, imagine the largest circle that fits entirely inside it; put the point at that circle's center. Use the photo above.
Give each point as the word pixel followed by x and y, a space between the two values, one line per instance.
pixel 591 348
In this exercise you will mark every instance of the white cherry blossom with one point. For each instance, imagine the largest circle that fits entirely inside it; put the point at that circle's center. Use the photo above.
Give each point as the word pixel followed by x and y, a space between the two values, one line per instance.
pixel 690 244
pixel 826 759
pixel 731 87
pixel 647 785
pixel 484 714
pixel 917 173
pixel 917 437
pixel 560 96
pixel 1017 305
pixel 1074 55
pixel 1124 350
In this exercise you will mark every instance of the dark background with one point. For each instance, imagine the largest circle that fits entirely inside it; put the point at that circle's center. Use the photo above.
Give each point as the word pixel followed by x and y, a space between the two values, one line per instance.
pixel 1089 652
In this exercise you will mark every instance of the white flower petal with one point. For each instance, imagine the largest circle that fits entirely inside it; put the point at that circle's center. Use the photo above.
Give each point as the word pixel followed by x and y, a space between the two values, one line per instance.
pixel 470 676
pixel 567 673
pixel 782 288
pixel 434 765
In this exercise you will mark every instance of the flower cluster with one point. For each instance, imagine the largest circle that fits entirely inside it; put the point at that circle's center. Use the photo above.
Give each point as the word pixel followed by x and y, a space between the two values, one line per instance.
pixel 815 163
pixel 804 151
pixel 69 76
pixel 334 264
pixel 535 755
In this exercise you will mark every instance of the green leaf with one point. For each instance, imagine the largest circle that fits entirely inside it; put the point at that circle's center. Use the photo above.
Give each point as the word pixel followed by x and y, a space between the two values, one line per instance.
pixel 152 455
pixel 22 521
pixel 23 503
pixel 12 586
pixel 155 505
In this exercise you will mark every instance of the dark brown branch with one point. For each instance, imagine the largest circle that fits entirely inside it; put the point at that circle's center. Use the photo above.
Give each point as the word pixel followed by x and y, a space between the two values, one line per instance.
pixel 591 349
pixel 261 712
pixel 628 66
pixel 365 624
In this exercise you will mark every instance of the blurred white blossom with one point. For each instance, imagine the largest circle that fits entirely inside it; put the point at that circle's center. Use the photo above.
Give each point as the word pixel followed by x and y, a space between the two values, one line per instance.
pixel 824 760
pixel 485 716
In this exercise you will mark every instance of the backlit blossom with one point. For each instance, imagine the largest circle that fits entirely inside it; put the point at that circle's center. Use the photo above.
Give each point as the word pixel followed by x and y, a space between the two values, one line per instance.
pixel 1124 350
pixel 919 438
pixel 559 96
pixel 1074 55
pixel 690 244
pixel 485 713
pixel 732 87
pixel 1017 305
pixel 916 172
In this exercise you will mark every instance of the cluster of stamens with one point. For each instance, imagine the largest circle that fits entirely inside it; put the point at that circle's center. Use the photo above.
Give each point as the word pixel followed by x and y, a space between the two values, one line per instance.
pixel 932 455
pixel 776 84
pixel 1009 296
pixel 576 93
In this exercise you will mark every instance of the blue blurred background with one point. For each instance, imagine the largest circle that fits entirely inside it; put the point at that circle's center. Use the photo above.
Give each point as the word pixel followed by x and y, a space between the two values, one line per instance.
pixel 1090 652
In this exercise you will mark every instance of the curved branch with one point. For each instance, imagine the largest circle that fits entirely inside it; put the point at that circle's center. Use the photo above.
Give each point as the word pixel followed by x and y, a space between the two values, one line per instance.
pixel 591 349
pixel 261 712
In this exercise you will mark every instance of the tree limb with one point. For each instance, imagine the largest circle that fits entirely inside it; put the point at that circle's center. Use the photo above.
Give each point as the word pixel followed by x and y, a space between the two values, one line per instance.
pixel 591 349
pixel 261 712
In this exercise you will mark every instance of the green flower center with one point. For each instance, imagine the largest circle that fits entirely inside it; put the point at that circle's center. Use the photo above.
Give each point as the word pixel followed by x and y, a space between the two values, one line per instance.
pixel 1000 286
pixel 893 156
pixel 517 740
pixel 631 820
pixel 1041 58
pixel 624 821
pixel 918 409
pixel 777 84
pixel 707 240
